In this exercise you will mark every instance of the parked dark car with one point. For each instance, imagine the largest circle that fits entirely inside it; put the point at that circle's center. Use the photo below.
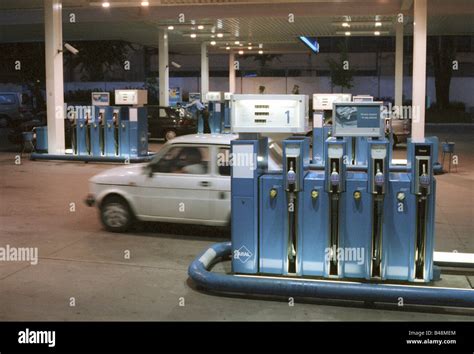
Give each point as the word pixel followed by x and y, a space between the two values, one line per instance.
pixel 13 111
pixel 169 122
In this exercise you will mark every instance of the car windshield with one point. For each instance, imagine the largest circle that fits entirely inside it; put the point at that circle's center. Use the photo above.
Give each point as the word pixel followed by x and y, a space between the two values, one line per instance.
pixel 275 158
pixel 7 99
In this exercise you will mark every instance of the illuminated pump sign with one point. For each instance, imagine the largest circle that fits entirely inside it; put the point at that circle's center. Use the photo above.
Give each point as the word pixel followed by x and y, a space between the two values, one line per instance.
pixel 358 119
pixel 311 43
pixel 131 97
pixel 269 113
pixel 193 96
pixel 324 101
pixel 363 98
pixel 215 96
pixel 100 98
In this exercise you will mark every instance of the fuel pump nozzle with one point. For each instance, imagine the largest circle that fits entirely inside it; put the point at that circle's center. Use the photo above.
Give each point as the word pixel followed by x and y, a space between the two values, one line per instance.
pixel 421 187
pixel 379 179
pixel 291 178
pixel 334 176
pixel 378 162
pixel 291 187
pixel 424 181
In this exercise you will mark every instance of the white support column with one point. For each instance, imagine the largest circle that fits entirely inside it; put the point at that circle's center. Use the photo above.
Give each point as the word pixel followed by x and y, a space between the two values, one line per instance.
pixel 231 72
pixel 163 67
pixel 53 33
pixel 419 70
pixel 204 71
pixel 399 64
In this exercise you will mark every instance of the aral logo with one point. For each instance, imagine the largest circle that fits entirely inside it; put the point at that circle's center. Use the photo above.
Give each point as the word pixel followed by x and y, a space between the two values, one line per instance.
pixel 242 254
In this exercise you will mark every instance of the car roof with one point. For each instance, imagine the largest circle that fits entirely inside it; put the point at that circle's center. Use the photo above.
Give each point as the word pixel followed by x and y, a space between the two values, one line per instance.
pixel 157 106
pixel 217 139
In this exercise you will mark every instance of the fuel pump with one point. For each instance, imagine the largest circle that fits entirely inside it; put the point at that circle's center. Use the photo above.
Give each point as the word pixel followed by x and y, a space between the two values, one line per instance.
pixel 322 109
pixel 81 134
pixel 124 134
pixel 100 127
pixel 133 122
pixel 216 104
pixel 227 97
pixel 88 127
pixel 295 166
pixel 94 127
pixel 335 171
pixel 422 185
pixel 378 165
pixel 115 123
pixel 267 238
pixel 109 130
pixel 73 130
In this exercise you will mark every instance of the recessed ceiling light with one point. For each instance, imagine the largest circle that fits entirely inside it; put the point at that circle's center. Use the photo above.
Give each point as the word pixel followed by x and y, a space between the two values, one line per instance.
pixel 347 33
pixel 200 27
pixel 213 43
pixel 220 35
pixel 193 35
pixel 250 48
pixel 241 52
pixel 241 45
pixel 345 24
pixel 260 52
pixel 260 45
pixel 378 24
pixel 106 4
pixel 228 48
pixel 145 3
pixel 212 36
pixel 237 42
pixel 377 33
pixel 171 28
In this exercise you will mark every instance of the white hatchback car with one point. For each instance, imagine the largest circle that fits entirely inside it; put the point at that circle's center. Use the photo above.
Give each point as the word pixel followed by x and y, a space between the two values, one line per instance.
pixel 183 183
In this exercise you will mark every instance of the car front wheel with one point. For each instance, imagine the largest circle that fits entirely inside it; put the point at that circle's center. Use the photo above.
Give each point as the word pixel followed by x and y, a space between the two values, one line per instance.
pixel 115 214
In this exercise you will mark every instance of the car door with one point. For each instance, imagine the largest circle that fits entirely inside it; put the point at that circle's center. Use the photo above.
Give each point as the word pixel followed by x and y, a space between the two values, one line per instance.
pixel 179 183
pixel 166 120
pixel 153 122
pixel 220 184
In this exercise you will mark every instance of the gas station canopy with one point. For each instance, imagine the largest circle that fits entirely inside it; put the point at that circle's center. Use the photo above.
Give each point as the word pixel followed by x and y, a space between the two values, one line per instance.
pixel 275 25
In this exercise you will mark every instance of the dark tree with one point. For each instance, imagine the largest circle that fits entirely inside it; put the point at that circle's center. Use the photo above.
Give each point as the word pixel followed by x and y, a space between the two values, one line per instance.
pixel 443 53
pixel 342 73
pixel 264 59
pixel 24 63
pixel 96 58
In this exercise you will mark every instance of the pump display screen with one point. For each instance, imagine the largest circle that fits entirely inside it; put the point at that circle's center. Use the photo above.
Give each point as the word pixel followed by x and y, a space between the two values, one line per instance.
pixel 100 98
pixel 358 119
pixel 324 101
pixel 269 113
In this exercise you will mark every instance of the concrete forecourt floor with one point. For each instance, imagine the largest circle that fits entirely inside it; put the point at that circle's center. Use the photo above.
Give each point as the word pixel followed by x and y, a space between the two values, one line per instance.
pixel 82 264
